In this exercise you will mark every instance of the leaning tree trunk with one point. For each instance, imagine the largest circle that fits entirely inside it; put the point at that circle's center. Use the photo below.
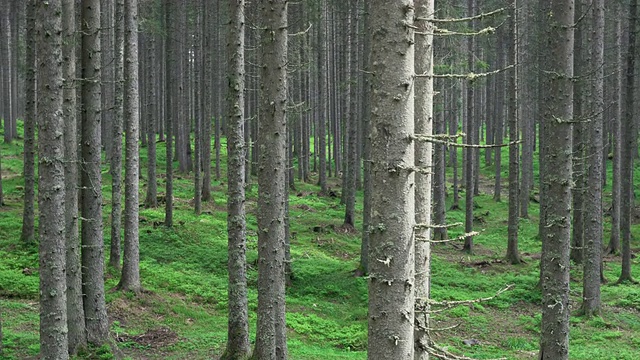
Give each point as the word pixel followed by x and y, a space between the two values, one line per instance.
pixel 391 301
pixel 271 334
pixel 558 117
pixel 92 240
pixel 53 303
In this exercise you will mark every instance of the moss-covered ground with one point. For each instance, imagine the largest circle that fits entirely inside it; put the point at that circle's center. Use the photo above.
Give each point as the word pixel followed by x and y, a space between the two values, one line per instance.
pixel 182 313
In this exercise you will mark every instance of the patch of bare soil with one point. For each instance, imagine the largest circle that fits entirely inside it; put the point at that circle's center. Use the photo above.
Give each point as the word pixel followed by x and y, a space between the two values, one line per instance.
pixel 153 338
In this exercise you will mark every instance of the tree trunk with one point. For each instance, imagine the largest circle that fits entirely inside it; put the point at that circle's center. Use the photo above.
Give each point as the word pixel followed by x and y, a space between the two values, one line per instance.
pixel 557 107
pixel 391 296
pixel 514 185
pixel 593 200
pixel 53 302
pixel 271 331
pixel 366 152
pixel 116 138
pixel 75 304
pixel 470 129
pixel 614 241
pixel 322 86
pixel 171 81
pixel 130 280
pixel 92 240
pixel 628 143
pixel 238 345
pixel 423 176
pixel 151 200
pixel 352 127
pixel 28 214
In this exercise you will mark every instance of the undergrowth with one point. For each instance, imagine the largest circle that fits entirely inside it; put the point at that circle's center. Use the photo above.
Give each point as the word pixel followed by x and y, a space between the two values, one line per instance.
pixel 184 274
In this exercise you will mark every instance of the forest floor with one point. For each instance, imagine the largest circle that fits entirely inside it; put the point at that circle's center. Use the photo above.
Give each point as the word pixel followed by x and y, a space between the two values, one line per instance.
pixel 182 312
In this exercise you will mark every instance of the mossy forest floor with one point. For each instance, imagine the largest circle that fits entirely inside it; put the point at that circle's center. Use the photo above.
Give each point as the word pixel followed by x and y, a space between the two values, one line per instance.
pixel 182 313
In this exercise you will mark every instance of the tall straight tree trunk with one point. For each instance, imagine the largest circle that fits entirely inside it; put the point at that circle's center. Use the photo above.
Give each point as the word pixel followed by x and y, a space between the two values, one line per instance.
pixel 109 22
pixel 580 128
pixel 391 300
pixel 171 77
pixel 95 309
pixel 75 304
pixel 453 151
pixel 558 116
pixel 53 303
pixel 366 151
pixel 151 200
pixel 514 185
pixel 130 279
pixel 614 240
pixel 439 176
pixel 116 138
pixel 470 129
pixel 238 345
pixel 423 162
pixel 628 143
pixel 271 336
pixel 352 127
pixel 206 93
pixel 322 86
pixel 593 200
pixel 28 214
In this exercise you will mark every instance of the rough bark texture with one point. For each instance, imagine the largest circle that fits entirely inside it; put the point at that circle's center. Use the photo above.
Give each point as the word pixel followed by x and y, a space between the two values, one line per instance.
pixel 366 152
pixel 593 200
pixel 391 250
pixel 352 128
pixel 272 192
pixel 423 177
pixel 116 139
pixel 151 200
pixel 322 100
pixel 92 241
pixel 238 345
pixel 171 80
pixel 28 214
pixel 470 129
pixel 75 309
pixel 614 240
pixel 514 185
pixel 629 147
pixel 53 294
pixel 557 118
pixel 130 280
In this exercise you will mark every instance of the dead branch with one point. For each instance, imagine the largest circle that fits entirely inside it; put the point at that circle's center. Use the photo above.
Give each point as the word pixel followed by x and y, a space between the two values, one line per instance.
pixel 459 238
pixel 469 18
pixel 436 226
pixel 470 76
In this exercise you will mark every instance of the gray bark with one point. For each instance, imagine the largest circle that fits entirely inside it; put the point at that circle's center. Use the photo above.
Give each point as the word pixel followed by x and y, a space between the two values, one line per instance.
pixel 92 241
pixel 423 176
pixel 171 77
pixel 557 117
pixel 130 279
pixel 629 146
pixel 470 129
pixel 352 124
pixel 238 345
pixel 366 151
pixel 51 194
pixel 75 303
pixel 391 271
pixel 271 330
pixel 322 100
pixel 514 185
pixel 116 139
pixel 593 200
pixel 151 200
pixel 28 214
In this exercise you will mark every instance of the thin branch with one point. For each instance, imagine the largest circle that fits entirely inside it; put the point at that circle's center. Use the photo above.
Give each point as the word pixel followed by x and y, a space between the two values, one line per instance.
pixel 436 226
pixel 459 238
pixel 470 76
pixel 469 18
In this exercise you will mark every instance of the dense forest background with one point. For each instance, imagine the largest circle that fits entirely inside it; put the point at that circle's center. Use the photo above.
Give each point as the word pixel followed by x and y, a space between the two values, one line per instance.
pixel 318 179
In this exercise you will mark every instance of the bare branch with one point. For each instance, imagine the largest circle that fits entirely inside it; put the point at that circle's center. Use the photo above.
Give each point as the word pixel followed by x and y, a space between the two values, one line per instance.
pixel 470 76
pixel 469 18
